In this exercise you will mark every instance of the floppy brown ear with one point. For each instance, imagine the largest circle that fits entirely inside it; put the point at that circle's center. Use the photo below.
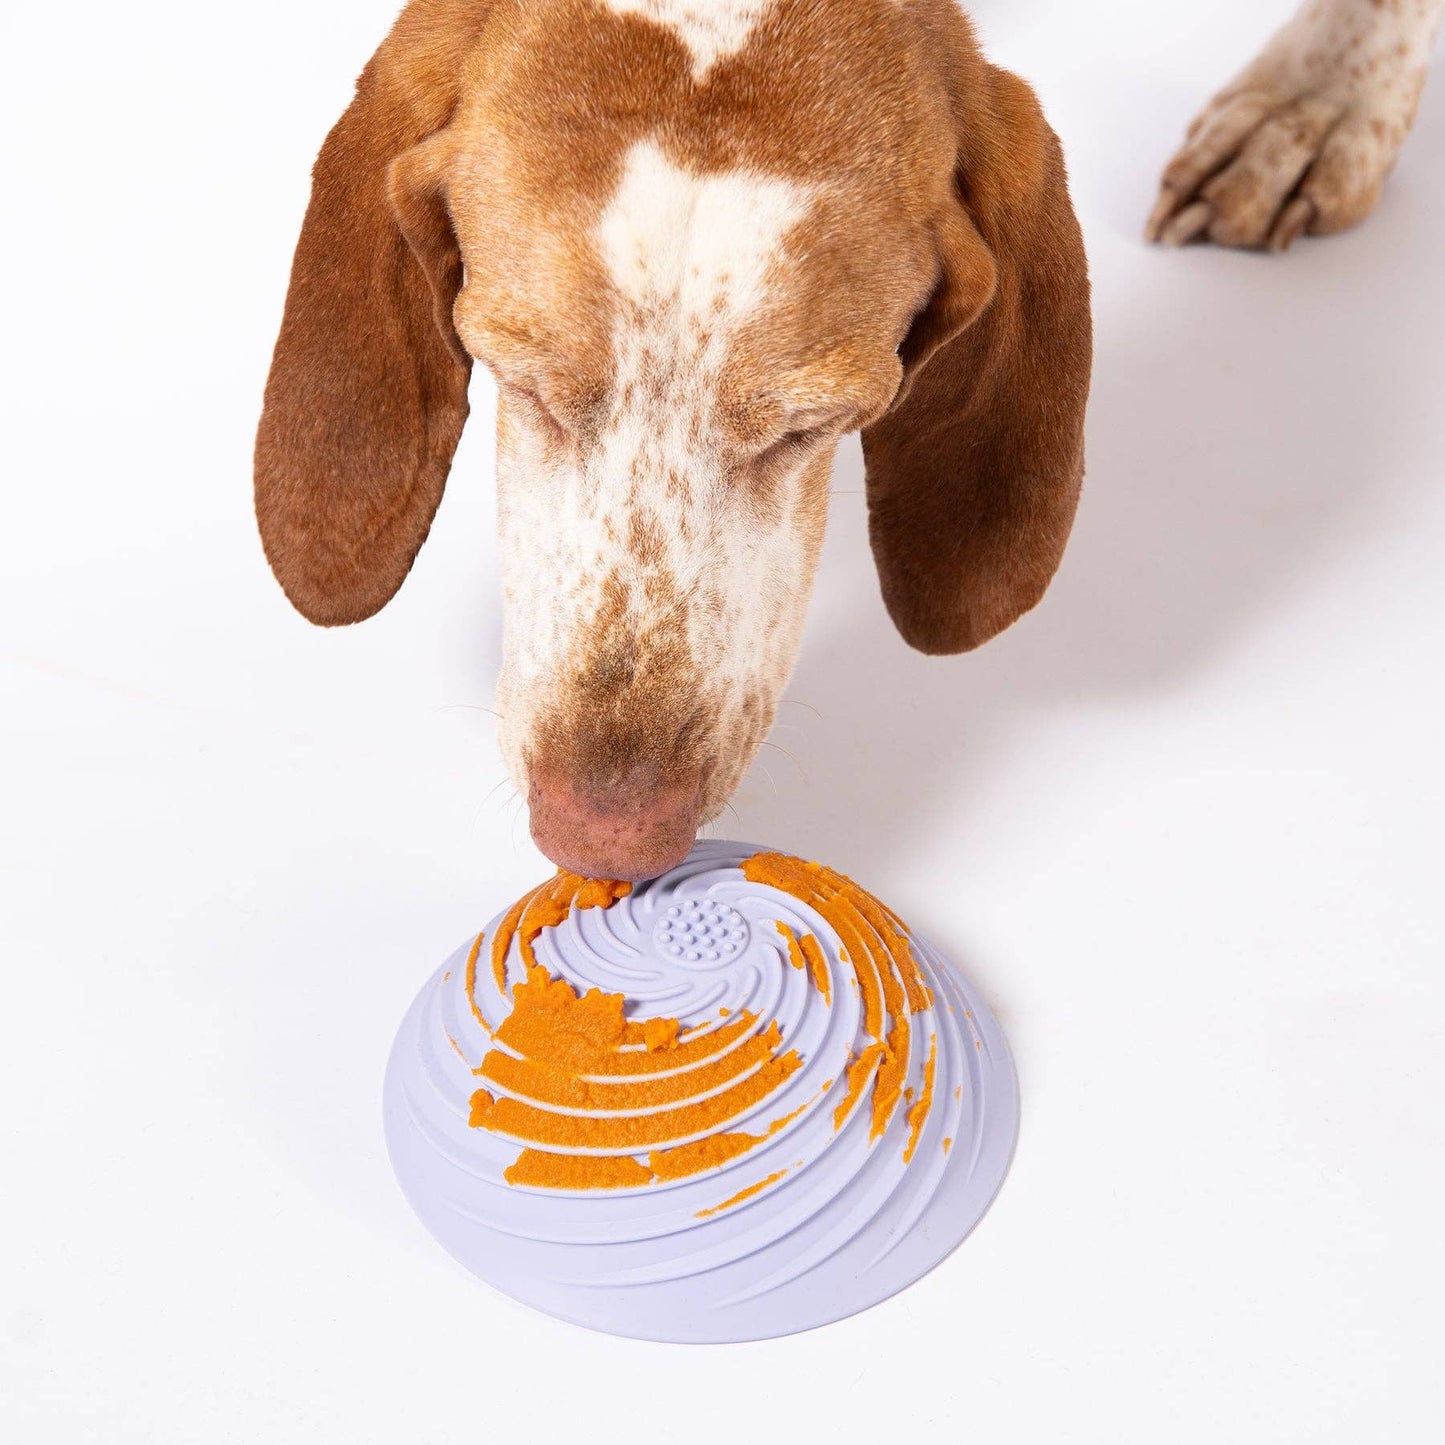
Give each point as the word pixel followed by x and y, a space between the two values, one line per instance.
pixel 973 475
pixel 368 386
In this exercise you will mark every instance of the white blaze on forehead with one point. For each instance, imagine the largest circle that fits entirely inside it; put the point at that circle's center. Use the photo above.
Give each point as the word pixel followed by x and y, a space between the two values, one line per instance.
pixel 711 29
pixel 692 258
pixel 698 244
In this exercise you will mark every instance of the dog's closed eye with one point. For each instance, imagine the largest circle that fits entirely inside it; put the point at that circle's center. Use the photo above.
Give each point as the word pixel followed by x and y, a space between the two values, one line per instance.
pixel 536 409
pixel 800 438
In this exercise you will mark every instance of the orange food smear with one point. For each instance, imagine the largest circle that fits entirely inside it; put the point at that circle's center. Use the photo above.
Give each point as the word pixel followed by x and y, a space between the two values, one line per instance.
pixel 895 940
pixel 481 1102
pixel 502 939
pixel 470 979
pixel 555 1029
pixel 576 1171
pixel 703 1154
pixel 813 952
pixel 742 1194
pixel 918 1114
pixel 541 1081
pixel 805 882
pixel 807 952
pixel 690 1049
pixel 859 1072
pixel 636 1131
pixel 888 1086
pixel 795 951
pixel 545 907
pixel 598 892
pixel 659 1034
pixel 888 975
pixel 559 1051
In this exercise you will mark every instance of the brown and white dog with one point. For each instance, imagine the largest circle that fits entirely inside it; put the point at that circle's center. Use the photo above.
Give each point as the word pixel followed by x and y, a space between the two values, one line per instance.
pixel 696 242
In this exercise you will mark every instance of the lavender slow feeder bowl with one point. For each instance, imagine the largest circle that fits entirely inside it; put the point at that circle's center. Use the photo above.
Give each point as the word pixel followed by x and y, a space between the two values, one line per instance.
pixel 738 1101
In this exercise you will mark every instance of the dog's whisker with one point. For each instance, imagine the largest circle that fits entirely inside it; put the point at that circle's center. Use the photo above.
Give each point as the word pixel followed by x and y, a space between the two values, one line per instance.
pixel 491 792
pixel 778 748
pixel 470 707
pixel 799 702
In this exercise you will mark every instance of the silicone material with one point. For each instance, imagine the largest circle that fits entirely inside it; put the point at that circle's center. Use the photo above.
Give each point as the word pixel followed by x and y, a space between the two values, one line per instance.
pixel 817 1216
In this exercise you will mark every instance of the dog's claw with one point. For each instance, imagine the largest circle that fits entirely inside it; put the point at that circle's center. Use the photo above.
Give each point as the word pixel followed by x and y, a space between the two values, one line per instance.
pixel 1164 207
pixel 1191 223
pixel 1293 223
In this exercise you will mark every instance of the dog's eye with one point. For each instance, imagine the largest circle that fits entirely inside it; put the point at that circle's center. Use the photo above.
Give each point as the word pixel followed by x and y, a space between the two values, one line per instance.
pixel 539 412
pixel 797 440
pixel 794 443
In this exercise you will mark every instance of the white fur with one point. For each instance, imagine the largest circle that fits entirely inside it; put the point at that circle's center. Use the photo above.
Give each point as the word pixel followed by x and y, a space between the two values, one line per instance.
pixel 1368 55
pixel 690 257
pixel 711 29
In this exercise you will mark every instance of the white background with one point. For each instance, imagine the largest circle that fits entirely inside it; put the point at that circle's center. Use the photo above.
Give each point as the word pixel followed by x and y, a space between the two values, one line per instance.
pixel 1182 824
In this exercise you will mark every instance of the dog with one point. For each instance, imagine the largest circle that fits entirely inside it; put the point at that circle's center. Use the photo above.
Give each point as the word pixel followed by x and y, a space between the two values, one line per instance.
pixel 697 242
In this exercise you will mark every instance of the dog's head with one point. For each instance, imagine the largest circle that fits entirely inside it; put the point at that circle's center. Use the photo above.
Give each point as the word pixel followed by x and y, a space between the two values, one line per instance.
pixel 695 244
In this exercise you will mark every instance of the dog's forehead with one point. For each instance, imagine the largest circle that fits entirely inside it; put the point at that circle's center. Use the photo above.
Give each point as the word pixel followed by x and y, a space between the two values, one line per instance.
pixel 769 136
pixel 711 29
pixel 705 241
pixel 794 87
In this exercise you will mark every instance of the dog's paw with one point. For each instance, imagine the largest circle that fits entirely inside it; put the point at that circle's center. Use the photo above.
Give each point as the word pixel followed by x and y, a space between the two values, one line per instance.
pixel 1303 139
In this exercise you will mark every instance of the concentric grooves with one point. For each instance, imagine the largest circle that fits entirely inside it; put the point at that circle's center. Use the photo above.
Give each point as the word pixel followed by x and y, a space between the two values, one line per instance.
pixel 716 1092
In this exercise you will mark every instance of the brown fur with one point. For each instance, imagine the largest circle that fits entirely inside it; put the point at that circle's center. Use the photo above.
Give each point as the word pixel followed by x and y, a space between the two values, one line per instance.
pixel 367 393
pixel 974 475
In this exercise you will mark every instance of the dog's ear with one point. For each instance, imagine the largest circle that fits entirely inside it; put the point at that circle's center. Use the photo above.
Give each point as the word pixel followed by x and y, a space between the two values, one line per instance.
pixel 973 474
pixel 368 386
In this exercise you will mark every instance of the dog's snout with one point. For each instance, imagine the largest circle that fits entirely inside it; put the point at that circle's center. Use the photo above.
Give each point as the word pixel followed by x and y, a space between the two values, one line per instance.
pixel 632 829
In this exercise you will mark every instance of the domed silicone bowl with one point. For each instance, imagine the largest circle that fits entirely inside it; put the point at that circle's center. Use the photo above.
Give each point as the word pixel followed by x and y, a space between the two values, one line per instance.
pixel 737 1101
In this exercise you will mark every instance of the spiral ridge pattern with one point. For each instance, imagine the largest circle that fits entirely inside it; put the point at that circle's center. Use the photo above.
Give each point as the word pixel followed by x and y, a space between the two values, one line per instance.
pixel 736 1101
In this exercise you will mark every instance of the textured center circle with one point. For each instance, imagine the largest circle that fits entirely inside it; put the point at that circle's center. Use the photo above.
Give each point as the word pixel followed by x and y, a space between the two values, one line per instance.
pixel 700 930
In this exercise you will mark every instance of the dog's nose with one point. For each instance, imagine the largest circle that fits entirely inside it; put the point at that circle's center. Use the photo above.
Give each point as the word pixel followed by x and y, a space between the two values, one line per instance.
pixel 630 830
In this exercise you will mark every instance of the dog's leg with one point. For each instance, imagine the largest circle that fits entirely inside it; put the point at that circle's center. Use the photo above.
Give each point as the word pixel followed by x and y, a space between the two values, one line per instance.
pixel 1303 137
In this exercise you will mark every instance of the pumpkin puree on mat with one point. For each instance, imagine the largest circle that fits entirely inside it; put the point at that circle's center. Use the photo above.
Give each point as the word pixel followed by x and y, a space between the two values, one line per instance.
pixel 571 1072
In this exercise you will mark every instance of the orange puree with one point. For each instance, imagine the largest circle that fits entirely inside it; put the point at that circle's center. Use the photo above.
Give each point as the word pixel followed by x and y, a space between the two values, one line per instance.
pixel 659 1034
pixel 859 1072
pixel 570 1071
pixel 470 980
pixel 807 952
pixel 639 1083
pixel 629 1131
pixel 576 1171
pixel 891 1074
pixel 795 950
pixel 742 1194
pixel 684 1159
pixel 918 1114
pixel 545 907
pixel 540 1081
pixel 889 978
pixel 813 950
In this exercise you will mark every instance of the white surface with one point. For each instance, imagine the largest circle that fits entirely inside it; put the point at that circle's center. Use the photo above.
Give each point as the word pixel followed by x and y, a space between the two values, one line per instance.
pixel 1182 824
